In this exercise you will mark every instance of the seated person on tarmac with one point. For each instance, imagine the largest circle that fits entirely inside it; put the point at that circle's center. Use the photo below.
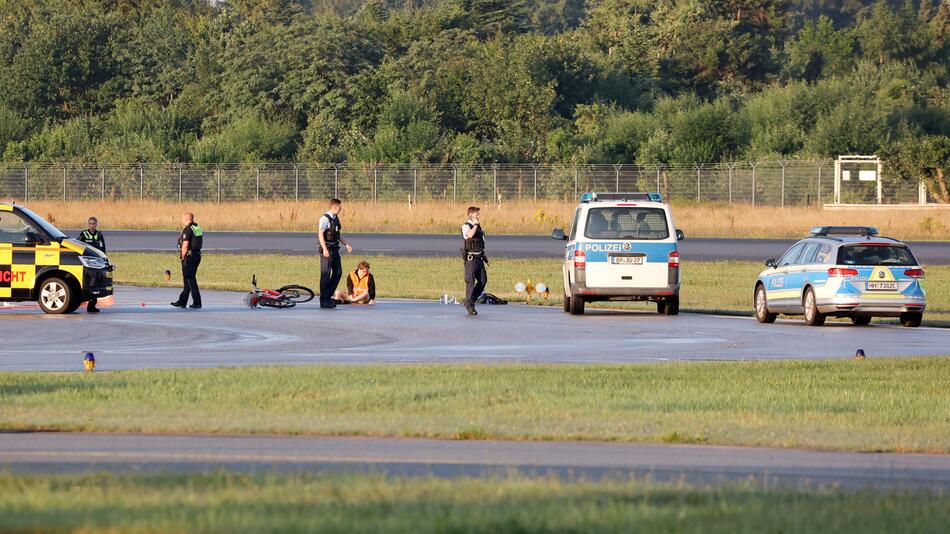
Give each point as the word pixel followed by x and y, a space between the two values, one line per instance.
pixel 360 287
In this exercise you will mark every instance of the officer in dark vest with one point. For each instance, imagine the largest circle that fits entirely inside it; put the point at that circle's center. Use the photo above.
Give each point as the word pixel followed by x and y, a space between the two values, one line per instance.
pixel 189 247
pixel 93 237
pixel 331 269
pixel 473 254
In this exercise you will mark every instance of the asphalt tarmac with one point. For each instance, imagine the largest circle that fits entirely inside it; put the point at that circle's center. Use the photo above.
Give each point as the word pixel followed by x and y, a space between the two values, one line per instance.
pixel 224 333
pixel 697 465
pixel 699 249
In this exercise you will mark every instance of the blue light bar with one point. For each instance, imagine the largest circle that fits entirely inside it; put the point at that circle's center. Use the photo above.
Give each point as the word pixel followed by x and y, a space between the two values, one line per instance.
pixel 588 197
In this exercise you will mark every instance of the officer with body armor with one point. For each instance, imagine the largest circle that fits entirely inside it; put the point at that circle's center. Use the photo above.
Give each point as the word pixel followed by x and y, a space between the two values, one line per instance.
pixel 189 248
pixel 473 254
pixel 93 237
pixel 331 269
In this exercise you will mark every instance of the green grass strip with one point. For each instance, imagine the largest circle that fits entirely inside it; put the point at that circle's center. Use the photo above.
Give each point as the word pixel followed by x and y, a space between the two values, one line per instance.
pixel 872 405
pixel 371 503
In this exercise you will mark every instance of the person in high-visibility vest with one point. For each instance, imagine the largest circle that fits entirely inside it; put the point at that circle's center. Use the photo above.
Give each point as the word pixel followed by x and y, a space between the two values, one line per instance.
pixel 93 236
pixel 360 287
pixel 189 249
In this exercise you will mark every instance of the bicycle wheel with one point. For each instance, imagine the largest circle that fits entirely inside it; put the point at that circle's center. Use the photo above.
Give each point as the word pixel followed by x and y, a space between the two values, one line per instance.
pixel 279 302
pixel 296 293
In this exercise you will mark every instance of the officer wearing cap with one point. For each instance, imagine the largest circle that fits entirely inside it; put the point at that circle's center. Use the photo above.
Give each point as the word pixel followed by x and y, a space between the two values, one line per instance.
pixel 189 248
pixel 93 237
pixel 473 254
pixel 331 269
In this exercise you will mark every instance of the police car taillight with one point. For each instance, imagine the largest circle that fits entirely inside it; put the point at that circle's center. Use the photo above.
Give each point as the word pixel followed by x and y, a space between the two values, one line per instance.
pixel 837 271
pixel 673 260
pixel 580 259
pixel 914 273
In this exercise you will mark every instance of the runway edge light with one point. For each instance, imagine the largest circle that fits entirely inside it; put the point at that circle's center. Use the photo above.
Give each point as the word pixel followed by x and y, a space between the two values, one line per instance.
pixel 89 361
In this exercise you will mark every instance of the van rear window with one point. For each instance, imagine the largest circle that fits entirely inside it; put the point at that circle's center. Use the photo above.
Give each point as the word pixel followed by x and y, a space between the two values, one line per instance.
pixel 627 222
pixel 875 255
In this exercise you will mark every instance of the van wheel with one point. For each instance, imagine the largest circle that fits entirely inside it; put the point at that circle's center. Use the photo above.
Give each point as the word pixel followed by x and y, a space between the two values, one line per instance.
pixel 812 316
pixel 762 314
pixel 577 305
pixel 911 319
pixel 670 306
pixel 55 296
pixel 861 320
pixel 567 303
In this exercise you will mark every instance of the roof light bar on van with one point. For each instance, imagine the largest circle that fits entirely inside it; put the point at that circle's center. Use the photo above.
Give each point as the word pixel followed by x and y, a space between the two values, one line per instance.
pixel 594 197
pixel 843 230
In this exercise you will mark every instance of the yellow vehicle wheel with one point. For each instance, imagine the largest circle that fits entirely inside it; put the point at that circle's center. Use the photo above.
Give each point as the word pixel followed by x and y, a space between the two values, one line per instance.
pixel 56 296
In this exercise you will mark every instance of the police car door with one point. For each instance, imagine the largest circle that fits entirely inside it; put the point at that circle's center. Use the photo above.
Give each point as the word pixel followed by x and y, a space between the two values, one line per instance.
pixel 801 273
pixel 780 295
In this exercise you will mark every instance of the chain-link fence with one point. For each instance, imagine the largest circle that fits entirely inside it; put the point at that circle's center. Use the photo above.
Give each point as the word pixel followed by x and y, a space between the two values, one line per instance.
pixel 775 183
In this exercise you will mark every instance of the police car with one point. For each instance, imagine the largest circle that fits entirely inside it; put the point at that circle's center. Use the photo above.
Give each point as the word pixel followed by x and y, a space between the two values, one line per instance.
pixel 842 271
pixel 622 246
pixel 38 262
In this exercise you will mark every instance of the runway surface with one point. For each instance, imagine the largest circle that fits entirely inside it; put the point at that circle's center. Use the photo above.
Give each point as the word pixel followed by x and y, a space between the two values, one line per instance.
pixel 226 332
pixel 699 249
pixel 699 465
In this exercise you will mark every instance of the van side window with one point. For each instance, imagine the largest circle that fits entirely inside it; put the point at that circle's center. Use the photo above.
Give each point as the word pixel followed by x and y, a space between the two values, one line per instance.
pixel 577 215
pixel 13 229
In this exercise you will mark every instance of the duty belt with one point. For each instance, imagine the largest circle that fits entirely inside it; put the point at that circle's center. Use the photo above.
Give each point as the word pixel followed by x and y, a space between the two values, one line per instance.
pixel 472 255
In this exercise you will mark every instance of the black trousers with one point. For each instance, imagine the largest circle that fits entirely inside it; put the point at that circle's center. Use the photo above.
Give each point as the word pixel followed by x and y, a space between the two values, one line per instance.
pixel 331 271
pixel 189 273
pixel 476 277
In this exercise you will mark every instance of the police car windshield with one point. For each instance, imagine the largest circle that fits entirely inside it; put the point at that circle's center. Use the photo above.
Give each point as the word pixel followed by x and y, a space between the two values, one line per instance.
pixel 626 222
pixel 875 255
pixel 47 227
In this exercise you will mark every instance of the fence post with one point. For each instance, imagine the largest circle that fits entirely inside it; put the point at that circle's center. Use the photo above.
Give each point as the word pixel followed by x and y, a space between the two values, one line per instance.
pixel 336 181
pixel 258 171
pixel 617 167
pixel 819 183
pixel 535 167
pixel 784 164
pixel 455 184
pixel 699 169
pixel 375 182
pixel 732 167
pixel 26 183
pixel 494 182
pixel 141 183
pixel 64 182
pixel 575 183
pixel 179 184
pixel 296 183
pixel 753 183
pixel 102 182
pixel 657 178
pixel 414 179
pixel 217 179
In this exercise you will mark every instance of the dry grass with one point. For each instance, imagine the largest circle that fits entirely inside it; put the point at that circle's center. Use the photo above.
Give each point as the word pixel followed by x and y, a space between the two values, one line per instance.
pixel 514 218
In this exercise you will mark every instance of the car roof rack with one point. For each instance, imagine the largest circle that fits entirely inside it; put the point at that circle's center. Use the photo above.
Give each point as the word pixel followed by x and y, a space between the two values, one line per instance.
pixel 819 231
pixel 595 197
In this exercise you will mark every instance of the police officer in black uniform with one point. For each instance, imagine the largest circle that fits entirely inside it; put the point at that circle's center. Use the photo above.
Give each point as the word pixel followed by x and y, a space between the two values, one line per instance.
pixel 473 254
pixel 189 248
pixel 331 269
pixel 93 237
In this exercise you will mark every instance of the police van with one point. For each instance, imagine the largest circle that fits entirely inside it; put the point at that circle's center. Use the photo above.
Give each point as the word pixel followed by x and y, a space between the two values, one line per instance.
pixel 40 263
pixel 622 246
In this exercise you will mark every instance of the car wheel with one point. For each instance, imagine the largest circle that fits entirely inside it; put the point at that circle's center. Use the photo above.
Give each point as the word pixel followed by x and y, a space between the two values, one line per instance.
pixel 672 306
pixel 577 305
pixel 812 316
pixel 911 319
pixel 861 320
pixel 55 296
pixel 661 307
pixel 762 314
pixel 567 303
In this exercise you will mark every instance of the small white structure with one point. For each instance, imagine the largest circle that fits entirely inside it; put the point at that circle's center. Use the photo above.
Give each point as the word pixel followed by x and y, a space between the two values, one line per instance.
pixel 857 171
